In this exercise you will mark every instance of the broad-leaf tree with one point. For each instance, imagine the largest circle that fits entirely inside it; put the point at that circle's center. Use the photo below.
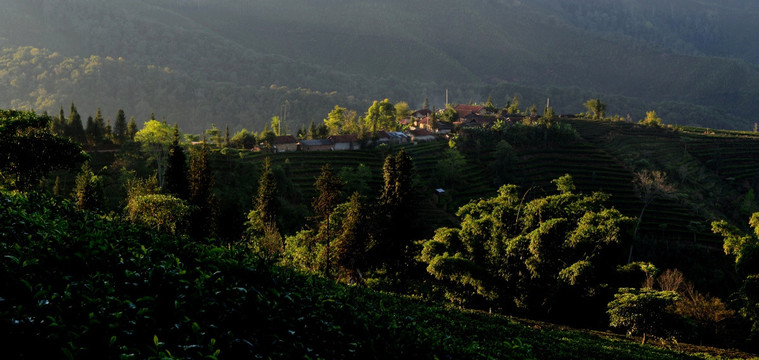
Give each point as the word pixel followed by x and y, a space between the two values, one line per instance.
pixel 543 256
pixel 745 248
pixel 156 137
pixel 28 150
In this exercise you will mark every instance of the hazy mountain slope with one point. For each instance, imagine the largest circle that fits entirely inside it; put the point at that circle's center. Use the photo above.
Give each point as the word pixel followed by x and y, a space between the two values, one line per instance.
pixel 642 54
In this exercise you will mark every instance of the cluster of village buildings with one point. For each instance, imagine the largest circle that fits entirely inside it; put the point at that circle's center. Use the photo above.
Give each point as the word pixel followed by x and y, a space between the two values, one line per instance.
pixel 421 124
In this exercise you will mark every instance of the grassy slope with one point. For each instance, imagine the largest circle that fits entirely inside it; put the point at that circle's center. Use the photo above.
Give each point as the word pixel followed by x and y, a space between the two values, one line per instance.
pixel 92 287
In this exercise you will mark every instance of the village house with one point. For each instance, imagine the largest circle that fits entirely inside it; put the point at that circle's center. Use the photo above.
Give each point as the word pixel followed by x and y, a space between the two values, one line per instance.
pixel 465 110
pixel 346 142
pixel 285 143
pixel 316 145
pixel 422 135
pixel 392 137
pixel 421 114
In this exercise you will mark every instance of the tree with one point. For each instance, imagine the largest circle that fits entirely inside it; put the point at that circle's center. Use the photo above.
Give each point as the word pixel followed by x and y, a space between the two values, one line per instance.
pixel 90 131
pixel 89 190
pixel 29 151
pixel 650 185
pixel 553 255
pixel 201 196
pixel 450 167
pixel 393 247
pixel 651 119
pixel 354 239
pixel 159 211
pixel 99 130
pixel 266 202
pixel 176 169
pixel 381 116
pixel 643 311
pixel 402 111
pixel 155 138
pixel 426 103
pixel 745 249
pixel 449 114
pixel 131 129
pixel 214 134
pixel 356 179
pixel 276 126
pixel 328 189
pixel 336 120
pixel 243 139
pixel 120 128
pixel 58 125
pixel 489 106
pixel 74 128
pixel 263 232
pixel 596 107
pixel 226 136
pixel 512 107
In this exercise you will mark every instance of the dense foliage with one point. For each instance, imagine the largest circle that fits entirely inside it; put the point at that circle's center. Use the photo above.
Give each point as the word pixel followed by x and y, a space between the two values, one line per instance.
pixel 90 287
pixel 29 151
pixel 548 256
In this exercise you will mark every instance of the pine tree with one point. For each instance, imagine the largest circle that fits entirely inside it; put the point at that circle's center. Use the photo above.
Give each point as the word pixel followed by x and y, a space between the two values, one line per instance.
pixel 74 128
pixel 90 131
pixel 176 169
pixel 89 193
pixel 266 202
pixel 99 130
pixel 329 190
pixel 131 129
pixel 108 133
pixel 226 136
pixel 58 125
pixel 395 212
pixel 201 194
pixel 426 104
pixel 353 242
pixel 120 128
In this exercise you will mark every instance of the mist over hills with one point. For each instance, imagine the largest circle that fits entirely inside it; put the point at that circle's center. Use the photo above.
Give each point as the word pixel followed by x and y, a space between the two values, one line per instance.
pixel 236 62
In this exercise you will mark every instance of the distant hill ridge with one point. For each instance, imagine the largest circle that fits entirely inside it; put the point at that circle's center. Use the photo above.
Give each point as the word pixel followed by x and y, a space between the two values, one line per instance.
pixel 692 61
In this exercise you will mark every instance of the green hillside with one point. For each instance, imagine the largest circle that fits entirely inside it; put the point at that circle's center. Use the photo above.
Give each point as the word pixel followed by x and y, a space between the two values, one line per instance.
pixel 94 287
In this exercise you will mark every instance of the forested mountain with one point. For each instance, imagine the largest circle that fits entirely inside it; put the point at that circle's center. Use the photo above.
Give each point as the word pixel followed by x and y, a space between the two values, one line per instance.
pixel 200 62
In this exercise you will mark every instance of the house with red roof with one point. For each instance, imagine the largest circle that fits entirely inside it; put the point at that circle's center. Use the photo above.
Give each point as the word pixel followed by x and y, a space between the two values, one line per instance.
pixel 466 110
pixel 285 143
pixel 346 142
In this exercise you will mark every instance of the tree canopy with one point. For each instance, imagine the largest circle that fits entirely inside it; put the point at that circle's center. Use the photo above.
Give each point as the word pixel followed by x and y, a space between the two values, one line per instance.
pixel 28 149
pixel 541 256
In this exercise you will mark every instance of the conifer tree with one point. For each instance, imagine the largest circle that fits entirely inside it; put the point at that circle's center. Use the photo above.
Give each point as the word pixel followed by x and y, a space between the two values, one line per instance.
pixel 74 128
pixel 426 104
pixel 226 136
pixel 395 211
pixel 266 202
pixel 176 169
pixel 99 130
pixel 120 127
pixel 131 129
pixel 89 193
pixel 329 190
pixel 58 125
pixel 354 239
pixel 201 194
pixel 89 131
pixel 108 133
